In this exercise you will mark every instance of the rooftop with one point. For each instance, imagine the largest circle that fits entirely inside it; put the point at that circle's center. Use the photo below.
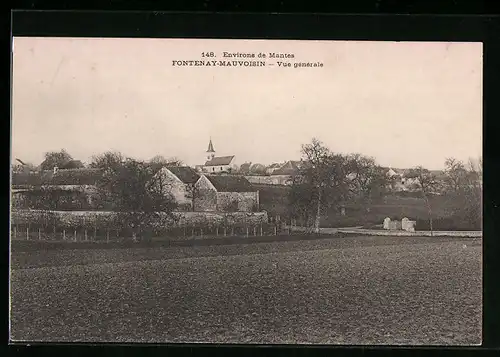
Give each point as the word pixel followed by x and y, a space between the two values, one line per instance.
pixel 219 160
pixel 62 177
pixel 185 173
pixel 230 183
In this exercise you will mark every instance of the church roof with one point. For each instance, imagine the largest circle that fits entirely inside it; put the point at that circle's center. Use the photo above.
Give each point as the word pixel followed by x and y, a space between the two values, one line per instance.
pixel 210 147
pixel 230 183
pixel 219 160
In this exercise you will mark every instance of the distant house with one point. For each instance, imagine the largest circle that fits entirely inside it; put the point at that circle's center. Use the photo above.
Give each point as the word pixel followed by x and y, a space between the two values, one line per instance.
pixel 60 189
pixel 288 168
pixel 69 177
pixel 178 181
pixel 400 182
pixel 271 168
pixel 225 194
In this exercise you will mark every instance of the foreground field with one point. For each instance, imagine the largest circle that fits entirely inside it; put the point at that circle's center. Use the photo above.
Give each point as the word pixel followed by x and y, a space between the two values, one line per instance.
pixel 356 290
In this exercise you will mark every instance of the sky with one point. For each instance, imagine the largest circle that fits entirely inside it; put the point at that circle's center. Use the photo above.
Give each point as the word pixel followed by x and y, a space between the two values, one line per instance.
pixel 403 103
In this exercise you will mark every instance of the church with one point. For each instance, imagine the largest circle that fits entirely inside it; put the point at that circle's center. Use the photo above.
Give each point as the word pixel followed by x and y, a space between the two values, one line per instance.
pixel 216 164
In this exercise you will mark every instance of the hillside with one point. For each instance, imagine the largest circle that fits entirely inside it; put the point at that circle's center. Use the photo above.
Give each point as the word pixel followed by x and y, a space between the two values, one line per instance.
pixel 274 199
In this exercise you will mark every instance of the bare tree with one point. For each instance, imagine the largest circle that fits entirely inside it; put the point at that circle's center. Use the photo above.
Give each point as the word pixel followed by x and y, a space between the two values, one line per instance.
pixel 55 159
pixel 161 160
pixel 322 174
pixel 456 174
pixel 245 168
pixel 464 187
pixel 192 193
pixel 257 169
pixel 107 160
pixel 134 191
pixel 366 178
pixel 425 182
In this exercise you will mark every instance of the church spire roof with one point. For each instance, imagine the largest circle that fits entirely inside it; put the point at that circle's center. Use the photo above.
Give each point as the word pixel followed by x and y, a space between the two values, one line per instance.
pixel 210 146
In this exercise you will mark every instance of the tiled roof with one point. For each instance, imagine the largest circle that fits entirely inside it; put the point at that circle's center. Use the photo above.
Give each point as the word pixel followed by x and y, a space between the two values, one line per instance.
pixel 185 173
pixel 62 177
pixel 289 168
pixel 230 183
pixel 220 160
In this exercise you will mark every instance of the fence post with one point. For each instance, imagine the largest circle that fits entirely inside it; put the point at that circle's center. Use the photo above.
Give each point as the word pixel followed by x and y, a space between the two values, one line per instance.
pixel 74 235
pixel 107 235
pixel 201 232
pixel 247 230
pixel 217 231
pixel 254 230
pixel 224 231
pixel 95 232
pixel 15 231
pixel 86 238
pixel 64 234
pixel 55 232
pixel 261 229
pixel 184 230
pixel 232 230
pixel 39 234
pixel 28 233
pixel 275 231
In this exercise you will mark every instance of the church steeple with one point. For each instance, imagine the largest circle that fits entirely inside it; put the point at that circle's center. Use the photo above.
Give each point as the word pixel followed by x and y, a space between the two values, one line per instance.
pixel 210 146
pixel 210 150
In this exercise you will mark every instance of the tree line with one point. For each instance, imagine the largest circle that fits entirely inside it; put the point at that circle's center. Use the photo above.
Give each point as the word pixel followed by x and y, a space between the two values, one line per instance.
pixel 62 159
pixel 326 180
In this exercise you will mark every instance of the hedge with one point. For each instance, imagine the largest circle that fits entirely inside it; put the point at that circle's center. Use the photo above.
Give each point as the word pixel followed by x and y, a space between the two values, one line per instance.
pixel 115 220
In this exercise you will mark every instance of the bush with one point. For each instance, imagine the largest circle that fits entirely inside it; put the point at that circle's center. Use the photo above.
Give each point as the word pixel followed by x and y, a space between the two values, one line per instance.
pixel 454 223
pixel 119 221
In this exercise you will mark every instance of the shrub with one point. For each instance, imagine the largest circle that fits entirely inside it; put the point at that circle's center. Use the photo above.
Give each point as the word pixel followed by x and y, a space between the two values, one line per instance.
pixel 454 223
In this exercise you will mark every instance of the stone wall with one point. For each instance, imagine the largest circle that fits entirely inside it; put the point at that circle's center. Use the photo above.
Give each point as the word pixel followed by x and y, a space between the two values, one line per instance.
pixel 270 180
pixel 237 201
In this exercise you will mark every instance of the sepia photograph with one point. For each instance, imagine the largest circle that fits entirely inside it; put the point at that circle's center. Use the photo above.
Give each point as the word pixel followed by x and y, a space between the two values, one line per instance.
pixel 246 191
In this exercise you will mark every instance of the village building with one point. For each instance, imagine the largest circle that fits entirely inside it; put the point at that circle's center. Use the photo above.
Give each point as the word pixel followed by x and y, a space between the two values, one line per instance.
pixel 273 167
pixel 70 189
pixel 289 168
pixel 221 193
pixel 216 164
pixel 400 182
pixel 179 181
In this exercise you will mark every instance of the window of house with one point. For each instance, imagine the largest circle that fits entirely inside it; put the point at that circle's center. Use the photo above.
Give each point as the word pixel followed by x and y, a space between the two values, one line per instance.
pixel 213 168
pixel 221 168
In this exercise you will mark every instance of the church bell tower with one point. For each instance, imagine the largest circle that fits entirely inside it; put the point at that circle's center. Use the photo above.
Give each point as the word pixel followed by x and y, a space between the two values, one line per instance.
pixel 210 150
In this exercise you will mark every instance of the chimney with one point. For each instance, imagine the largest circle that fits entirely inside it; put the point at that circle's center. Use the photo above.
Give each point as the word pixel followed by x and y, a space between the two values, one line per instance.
pixel 56 169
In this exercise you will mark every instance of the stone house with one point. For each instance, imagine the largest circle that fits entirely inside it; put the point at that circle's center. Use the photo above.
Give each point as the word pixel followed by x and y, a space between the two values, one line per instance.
pixel 224 193
pixel 180 182
pixel 71 189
